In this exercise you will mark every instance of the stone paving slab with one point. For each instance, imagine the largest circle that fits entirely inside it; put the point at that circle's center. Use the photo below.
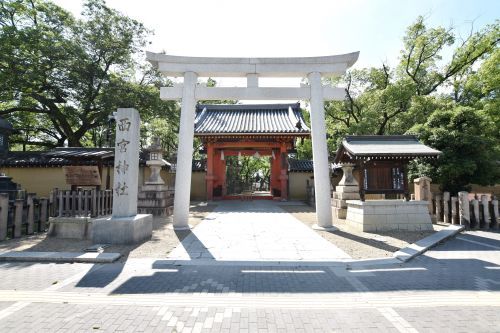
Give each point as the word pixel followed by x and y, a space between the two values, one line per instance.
pixel 256 231
pixel 60 257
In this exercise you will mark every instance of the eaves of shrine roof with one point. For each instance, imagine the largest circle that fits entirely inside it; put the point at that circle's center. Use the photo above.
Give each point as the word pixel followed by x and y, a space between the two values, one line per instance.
pixel 265 119
pixel 391 146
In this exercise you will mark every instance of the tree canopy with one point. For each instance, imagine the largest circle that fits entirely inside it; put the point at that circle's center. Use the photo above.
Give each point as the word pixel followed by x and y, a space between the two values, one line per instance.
pixel 61 78
pixel 451 104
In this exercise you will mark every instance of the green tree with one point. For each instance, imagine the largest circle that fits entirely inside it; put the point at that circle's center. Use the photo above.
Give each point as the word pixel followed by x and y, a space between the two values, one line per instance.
pixel 390 100
pixel 65 76
pixel 470 150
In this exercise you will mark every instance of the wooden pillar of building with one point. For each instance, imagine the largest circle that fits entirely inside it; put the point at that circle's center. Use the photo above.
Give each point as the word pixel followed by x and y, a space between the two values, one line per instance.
pixel 283 172
pixel 275 172
pixel 210 171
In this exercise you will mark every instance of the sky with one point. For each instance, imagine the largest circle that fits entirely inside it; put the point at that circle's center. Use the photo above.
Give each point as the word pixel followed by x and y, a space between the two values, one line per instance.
pixel 273 28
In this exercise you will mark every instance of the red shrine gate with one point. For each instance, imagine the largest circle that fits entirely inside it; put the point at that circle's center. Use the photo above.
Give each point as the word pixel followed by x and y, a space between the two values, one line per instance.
pixel 244 130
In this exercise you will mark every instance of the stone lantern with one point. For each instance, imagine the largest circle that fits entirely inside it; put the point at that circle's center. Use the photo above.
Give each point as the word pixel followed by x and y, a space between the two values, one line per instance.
pixel 155 162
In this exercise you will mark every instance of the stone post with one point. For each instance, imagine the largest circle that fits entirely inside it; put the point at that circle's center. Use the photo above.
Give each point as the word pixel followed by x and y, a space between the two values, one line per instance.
pixel 320 154
pixel 4 215
pixel 43 213
pixel 185 154
pixel 495 213
pixel 446 207
pixel 423 190
pixel 454 215
pixel 475 211
pixel 125 226
pixel 438 207
pixel 486 211
pixel 126 173
pixel 18 217
pixel 464 209
pixel 31 213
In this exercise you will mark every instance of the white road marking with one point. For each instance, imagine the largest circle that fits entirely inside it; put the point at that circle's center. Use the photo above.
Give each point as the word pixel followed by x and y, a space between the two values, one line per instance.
pixel 395 319
pixel 478 243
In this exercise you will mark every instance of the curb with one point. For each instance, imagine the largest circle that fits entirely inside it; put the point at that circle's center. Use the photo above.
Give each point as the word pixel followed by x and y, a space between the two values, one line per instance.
pixel 419 247
pixel 59 257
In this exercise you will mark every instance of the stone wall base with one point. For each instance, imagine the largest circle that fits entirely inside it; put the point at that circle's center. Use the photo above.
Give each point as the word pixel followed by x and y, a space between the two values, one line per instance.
pixel 384 215
pixel 122 230
pixel 155 199
pixel 70 227
pixel 340 197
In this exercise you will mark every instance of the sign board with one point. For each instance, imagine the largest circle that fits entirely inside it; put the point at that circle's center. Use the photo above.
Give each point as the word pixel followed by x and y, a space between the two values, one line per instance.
pixel 82 175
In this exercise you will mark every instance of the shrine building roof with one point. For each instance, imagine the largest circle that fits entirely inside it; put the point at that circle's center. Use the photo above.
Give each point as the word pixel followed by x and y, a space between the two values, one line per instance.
pixel 383 147
pixel 250 119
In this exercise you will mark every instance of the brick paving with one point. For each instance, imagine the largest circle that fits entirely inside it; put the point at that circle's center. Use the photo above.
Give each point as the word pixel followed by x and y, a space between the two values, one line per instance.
pixel 455 287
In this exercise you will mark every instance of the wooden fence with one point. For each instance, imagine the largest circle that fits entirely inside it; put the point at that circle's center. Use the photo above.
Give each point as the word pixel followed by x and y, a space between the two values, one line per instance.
pixel 29 215
pixel 81 203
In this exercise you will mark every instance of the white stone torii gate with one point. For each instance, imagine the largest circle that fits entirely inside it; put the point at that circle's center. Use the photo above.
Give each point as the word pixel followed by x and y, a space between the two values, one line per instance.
pixel 314 68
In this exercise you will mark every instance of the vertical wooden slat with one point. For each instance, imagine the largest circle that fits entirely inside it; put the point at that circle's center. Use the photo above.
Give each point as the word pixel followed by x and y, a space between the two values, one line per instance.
pixel 98 205
pixel 4 215
pixel 61 203
pixel 67 209
pixel 18 217
pixel 73 203
pixel 31 213
pixel 80 202
pixel 109 202
pixel 85 203
pixel 93 204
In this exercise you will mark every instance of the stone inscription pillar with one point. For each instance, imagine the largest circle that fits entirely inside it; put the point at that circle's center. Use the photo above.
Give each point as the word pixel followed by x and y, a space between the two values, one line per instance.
pixel 320 154
pixel 423 190
pixel 126 173
pixel 464 209
pixel 454 213
pixel 486 210
pixel 125 226
pixel 185 153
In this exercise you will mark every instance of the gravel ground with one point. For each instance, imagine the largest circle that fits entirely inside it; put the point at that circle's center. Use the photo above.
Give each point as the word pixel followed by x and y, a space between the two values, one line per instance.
pixel 355 243
pixel 360 244
pixel 162 242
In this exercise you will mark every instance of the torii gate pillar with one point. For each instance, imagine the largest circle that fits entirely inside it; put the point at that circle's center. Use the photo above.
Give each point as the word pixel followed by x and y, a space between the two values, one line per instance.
pixel 320 155
pixel 252 68
pixel 185 154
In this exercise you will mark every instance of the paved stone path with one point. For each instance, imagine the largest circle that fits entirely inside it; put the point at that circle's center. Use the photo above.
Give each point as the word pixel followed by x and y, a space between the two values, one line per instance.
pixel 455 287
pixel 254 231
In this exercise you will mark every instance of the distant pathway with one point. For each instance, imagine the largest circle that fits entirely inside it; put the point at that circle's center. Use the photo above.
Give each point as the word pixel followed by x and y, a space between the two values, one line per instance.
pixel 254 231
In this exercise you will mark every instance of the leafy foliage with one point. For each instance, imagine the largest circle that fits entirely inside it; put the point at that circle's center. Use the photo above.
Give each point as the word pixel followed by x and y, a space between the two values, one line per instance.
pixel 430 97
pixel 62 77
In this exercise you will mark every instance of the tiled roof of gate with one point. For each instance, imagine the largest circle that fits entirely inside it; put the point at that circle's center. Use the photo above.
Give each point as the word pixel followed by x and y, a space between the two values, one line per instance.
pixel 250 119
pixel 66 156
pixel 300 165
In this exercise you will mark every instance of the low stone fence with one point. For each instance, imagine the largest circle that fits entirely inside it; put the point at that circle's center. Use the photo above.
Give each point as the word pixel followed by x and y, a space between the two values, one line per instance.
pixel 466 209
pixel 18 216
pixel 81 203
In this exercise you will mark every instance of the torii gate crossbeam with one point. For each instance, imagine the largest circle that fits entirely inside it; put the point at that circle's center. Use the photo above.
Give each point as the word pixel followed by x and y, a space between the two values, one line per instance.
pixel 314 68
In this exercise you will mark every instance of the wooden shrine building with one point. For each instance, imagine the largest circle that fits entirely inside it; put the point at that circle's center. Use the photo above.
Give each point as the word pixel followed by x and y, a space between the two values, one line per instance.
pixel 248 130
pixel 382 160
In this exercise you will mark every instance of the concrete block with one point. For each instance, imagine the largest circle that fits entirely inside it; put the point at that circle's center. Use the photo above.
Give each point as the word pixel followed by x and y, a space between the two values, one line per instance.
pixel 122 230
pixel 347 189
pixel 59 257
pixel 378 215
pixel 70 227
